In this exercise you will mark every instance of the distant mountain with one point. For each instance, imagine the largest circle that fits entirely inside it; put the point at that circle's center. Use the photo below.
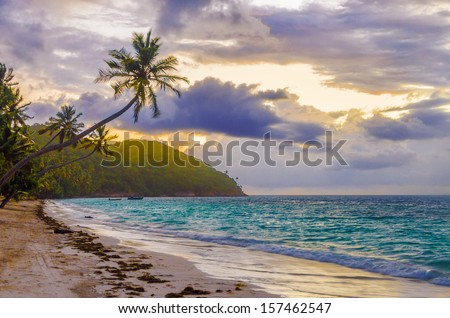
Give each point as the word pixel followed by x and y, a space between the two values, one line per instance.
pixel 141 168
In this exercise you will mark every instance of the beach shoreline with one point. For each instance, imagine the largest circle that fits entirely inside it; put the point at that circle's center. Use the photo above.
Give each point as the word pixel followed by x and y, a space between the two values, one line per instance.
pixel 89 261
pixel 269 268
pixel 73 262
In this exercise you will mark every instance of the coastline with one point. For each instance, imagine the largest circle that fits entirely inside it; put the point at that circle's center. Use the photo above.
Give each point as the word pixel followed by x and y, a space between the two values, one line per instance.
pixel 95 262
pixel 277 274
pixel 37 262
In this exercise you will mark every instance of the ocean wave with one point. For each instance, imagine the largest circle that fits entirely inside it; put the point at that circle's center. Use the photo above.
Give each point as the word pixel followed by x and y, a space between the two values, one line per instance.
pixel 370 264
pixel 393 268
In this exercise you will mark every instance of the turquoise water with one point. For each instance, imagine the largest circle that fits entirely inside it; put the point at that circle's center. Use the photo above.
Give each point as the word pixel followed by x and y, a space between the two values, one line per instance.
pixel 402 236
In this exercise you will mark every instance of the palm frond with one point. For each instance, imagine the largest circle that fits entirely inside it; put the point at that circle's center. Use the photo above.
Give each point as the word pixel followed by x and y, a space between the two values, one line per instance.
pixel 141 72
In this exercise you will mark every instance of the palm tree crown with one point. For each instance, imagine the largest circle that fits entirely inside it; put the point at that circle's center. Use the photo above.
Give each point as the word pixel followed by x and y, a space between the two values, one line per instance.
pixel 65 124
pixel 100 140
pixel 141 72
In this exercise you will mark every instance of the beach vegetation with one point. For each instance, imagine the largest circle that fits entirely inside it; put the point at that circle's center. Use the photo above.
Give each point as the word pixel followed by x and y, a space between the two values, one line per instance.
pixel 15 138
pixel 88 178
pixel 142 72
pixel 99 141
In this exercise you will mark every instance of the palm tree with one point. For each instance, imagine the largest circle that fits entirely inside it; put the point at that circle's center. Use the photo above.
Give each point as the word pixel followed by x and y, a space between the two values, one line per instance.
pixel 14 142
pixel 65 124
pixel 10 99
pixel 25 180
pixel 11 109
pixel 98 139
pixel 14 145
pixel 6 75
pixel 139 71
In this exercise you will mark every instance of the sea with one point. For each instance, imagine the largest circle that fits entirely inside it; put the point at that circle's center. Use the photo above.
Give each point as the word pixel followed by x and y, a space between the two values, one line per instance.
pixel 290 245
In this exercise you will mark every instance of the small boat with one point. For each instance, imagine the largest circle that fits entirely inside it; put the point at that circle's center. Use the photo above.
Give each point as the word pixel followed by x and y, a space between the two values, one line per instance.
pixel 135 198
pixel 115 199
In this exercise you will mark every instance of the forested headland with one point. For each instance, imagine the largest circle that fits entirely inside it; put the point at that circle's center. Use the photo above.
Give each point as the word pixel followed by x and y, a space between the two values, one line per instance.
pixel 160 175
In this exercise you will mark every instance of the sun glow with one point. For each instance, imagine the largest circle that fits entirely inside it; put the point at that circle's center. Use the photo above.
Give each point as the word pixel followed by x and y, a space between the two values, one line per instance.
pixel 299 79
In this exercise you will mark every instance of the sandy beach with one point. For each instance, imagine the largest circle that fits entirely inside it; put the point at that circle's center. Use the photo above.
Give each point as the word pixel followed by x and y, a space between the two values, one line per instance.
pixel 37 262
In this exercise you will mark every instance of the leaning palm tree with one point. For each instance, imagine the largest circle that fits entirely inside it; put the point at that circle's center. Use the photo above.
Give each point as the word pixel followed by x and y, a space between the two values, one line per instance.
pixel 99 140
pixel 65 125
pixel 140 72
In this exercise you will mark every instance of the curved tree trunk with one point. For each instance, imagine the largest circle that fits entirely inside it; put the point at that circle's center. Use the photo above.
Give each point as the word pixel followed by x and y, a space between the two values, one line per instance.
pixel 53 138
pixel 65 144
pixel 44 171
pixel 6 199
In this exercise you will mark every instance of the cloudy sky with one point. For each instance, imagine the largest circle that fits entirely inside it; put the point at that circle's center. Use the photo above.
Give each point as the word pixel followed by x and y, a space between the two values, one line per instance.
pixel 375 73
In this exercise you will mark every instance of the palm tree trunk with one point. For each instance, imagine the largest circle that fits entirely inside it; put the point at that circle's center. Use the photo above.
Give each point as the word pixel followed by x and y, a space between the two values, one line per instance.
pixel 44 171
pixel 53 138
pixel 6 199
pixel 67 143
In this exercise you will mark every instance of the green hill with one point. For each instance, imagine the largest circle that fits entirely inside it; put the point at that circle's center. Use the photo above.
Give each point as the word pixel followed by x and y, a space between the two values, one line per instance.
pixel 141 168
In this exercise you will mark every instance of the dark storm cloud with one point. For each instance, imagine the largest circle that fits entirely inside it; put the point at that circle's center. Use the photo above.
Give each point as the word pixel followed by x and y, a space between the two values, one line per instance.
pixel 97 107
pixel 424 120
pixel 93 106
pixel 215 106
pixel 208 105
pixel 297 131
